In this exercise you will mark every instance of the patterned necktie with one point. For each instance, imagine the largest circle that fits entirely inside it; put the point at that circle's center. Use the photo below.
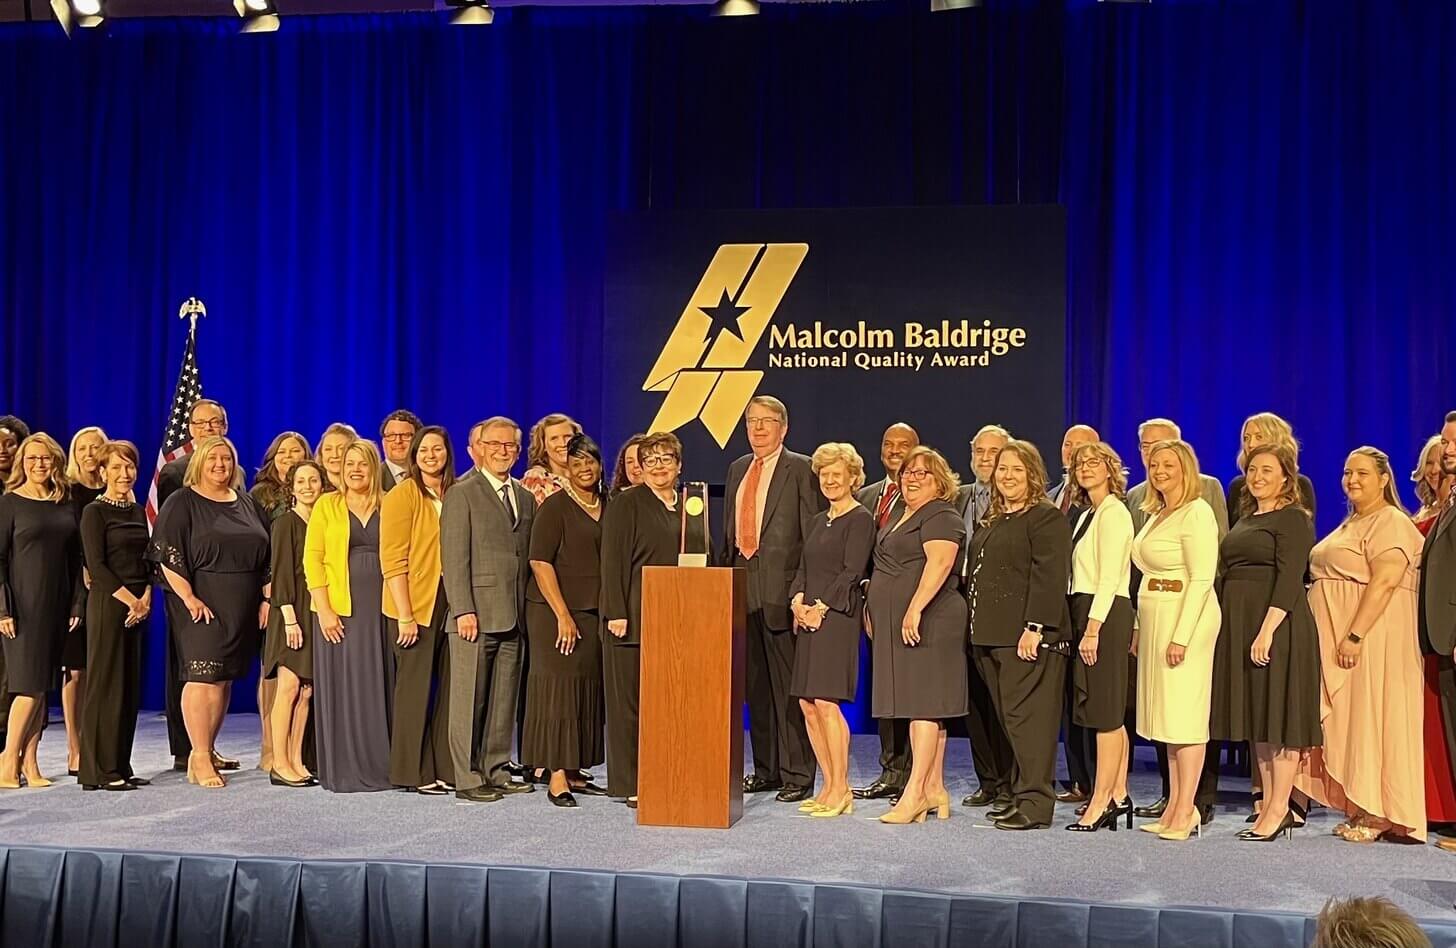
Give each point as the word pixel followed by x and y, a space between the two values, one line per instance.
pixel 887 500
pixel 505 494
pixel 1066 498
pixel 748 513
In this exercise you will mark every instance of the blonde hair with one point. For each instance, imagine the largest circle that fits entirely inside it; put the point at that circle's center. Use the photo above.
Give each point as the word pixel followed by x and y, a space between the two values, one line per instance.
pixel 194 464
pixel 946 481
pixel 835 452
pixel 1272 429
pixel 376 477
pixel 1117 473
pixel 536 455
pixel 1036 478
pixel 58 486
pixel 73 469
pixel 1424 494
pixel 1154 503
pixel 1381 460
pixel 1289 495
pixel 1366 923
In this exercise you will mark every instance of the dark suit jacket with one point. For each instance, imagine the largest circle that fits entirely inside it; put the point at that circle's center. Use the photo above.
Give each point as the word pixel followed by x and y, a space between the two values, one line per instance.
pixel 1022 578
pixel 1438 587
pixel 386 477
pixel 169 481
pixel 484 558
pixel 869 498
pixel 793 500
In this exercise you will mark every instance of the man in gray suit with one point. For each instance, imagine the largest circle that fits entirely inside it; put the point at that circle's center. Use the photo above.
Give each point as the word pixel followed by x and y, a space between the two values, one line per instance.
pixel 396 433
pixel 769 503
pixel 1437 616
pixel 1150 433
pixel 882 499
pixel 485 531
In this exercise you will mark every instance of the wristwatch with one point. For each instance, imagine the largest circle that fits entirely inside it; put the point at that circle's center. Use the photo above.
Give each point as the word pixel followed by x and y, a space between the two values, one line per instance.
pixel 1036 627
pixel 1353 637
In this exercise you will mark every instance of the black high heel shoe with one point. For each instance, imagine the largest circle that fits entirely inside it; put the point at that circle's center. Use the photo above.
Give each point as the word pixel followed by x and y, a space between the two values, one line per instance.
pixel 1255 798
pixel 1125 808
pixel 1109 819
pixel 1286 828
pixel 561 799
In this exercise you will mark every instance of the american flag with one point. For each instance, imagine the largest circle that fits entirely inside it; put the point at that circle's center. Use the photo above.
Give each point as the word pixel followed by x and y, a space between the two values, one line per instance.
pixel 176 439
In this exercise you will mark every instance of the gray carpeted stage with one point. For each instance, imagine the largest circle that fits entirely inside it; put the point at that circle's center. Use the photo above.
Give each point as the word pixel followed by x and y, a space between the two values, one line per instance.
pixel 771 841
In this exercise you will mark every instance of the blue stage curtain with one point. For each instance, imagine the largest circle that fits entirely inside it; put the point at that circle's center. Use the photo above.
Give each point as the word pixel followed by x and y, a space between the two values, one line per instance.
pixel 51 898
pixel 385 211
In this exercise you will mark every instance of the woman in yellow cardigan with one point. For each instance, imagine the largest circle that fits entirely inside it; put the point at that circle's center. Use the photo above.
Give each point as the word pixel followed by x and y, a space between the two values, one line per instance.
pixel 414 598
pixel 352 667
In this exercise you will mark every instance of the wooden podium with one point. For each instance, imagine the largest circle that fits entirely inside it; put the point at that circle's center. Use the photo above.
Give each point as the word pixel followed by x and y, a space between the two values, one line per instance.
pixel 690 735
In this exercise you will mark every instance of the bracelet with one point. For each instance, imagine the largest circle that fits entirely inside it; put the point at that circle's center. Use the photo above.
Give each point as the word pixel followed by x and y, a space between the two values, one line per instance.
pixel 408 621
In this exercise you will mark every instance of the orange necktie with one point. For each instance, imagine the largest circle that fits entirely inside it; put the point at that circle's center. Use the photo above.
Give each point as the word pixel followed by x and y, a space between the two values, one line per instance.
pixel 748 513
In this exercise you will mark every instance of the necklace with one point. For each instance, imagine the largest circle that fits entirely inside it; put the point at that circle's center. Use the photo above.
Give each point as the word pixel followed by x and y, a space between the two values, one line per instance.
pixel 118 504
pixel 596 501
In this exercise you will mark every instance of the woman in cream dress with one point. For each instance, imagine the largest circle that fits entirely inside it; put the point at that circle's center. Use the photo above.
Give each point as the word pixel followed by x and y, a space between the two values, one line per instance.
pixel 1178 622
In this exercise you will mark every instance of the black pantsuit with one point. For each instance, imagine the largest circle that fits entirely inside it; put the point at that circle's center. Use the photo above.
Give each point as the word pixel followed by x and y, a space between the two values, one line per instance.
pixel 419 745
pixel 622 672
pixel 1019 571
pixel 169 481
pixel 115 540
pixel 1028 696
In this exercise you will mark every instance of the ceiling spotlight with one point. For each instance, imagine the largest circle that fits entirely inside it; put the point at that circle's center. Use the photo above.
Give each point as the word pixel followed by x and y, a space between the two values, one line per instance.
pixel 940 6
pixel 259 16
pixel 86 14
pixel 471 13
pixel 735 8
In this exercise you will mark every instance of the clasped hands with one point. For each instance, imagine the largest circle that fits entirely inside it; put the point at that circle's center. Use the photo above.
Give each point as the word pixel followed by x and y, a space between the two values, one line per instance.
pixel 808 617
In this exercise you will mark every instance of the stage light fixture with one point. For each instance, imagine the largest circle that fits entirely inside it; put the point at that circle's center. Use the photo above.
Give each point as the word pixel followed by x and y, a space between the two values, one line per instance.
pixel 259 16
pixel 86 14
pixel 471 13
pixel 940 6
pixel 735 8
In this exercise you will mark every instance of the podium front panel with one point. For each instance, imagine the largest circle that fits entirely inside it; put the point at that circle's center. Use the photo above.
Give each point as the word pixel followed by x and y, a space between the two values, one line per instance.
pixel 690 730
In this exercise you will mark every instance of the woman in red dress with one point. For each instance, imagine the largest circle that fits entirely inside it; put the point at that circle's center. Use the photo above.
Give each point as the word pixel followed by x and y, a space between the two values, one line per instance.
pixel 1433 490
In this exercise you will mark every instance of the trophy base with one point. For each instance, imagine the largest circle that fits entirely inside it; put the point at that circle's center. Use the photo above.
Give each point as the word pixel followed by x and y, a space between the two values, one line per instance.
pixel 692 559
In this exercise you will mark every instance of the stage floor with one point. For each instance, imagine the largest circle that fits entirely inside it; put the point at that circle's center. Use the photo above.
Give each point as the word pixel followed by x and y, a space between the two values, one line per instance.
pixel 965 855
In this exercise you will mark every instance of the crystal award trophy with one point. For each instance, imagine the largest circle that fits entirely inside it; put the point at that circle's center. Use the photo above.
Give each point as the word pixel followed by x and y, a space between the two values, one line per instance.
pixel 693 548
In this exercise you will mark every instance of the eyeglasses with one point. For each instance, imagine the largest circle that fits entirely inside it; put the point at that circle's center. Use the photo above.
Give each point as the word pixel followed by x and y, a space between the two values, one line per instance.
pixel 918 474
pixel 502 447
pixel 659 460
pixel 44 459
pixel 762 422
pixel 211 424
pixel 1088 463
pixel 399 437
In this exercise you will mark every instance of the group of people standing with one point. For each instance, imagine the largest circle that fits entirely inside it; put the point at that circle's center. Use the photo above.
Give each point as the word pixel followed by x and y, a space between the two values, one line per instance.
pixel 402 610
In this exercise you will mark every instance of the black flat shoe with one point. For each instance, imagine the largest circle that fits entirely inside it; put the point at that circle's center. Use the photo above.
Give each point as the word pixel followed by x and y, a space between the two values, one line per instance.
pixel 1152 811
pixel 563 799
pixel 278 780
pixel 1018 821
pixel 589 789
pixel 981 797
pixel 793 794
pixel 139 781
pixel 879 790
pixel 514 788
pixel 433 790
pixel 753 783
pixel 73 773
pixel 117 786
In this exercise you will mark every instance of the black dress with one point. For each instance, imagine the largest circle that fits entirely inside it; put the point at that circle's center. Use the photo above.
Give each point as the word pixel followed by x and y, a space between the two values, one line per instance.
pixel 637 530
pixel 114 538
pixel 40 587
pixel 221 548
pixel 836 558
pixel 1262 563
pixel 73 652
pixel 927 681
pixel 354 680
pixel 289 588
pixel 564 709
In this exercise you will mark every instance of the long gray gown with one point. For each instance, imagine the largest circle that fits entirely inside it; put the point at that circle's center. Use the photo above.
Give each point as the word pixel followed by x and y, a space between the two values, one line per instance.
pixel 354 680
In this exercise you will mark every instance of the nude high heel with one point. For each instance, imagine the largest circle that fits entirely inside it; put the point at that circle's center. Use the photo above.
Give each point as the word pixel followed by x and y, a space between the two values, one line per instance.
pixel 844 808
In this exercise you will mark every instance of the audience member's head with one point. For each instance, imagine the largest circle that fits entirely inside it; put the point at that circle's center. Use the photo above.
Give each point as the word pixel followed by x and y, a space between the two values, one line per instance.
pixel 1366 923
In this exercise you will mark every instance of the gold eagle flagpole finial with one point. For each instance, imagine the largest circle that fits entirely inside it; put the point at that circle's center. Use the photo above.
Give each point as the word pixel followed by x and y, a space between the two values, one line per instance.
pixel 191 308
